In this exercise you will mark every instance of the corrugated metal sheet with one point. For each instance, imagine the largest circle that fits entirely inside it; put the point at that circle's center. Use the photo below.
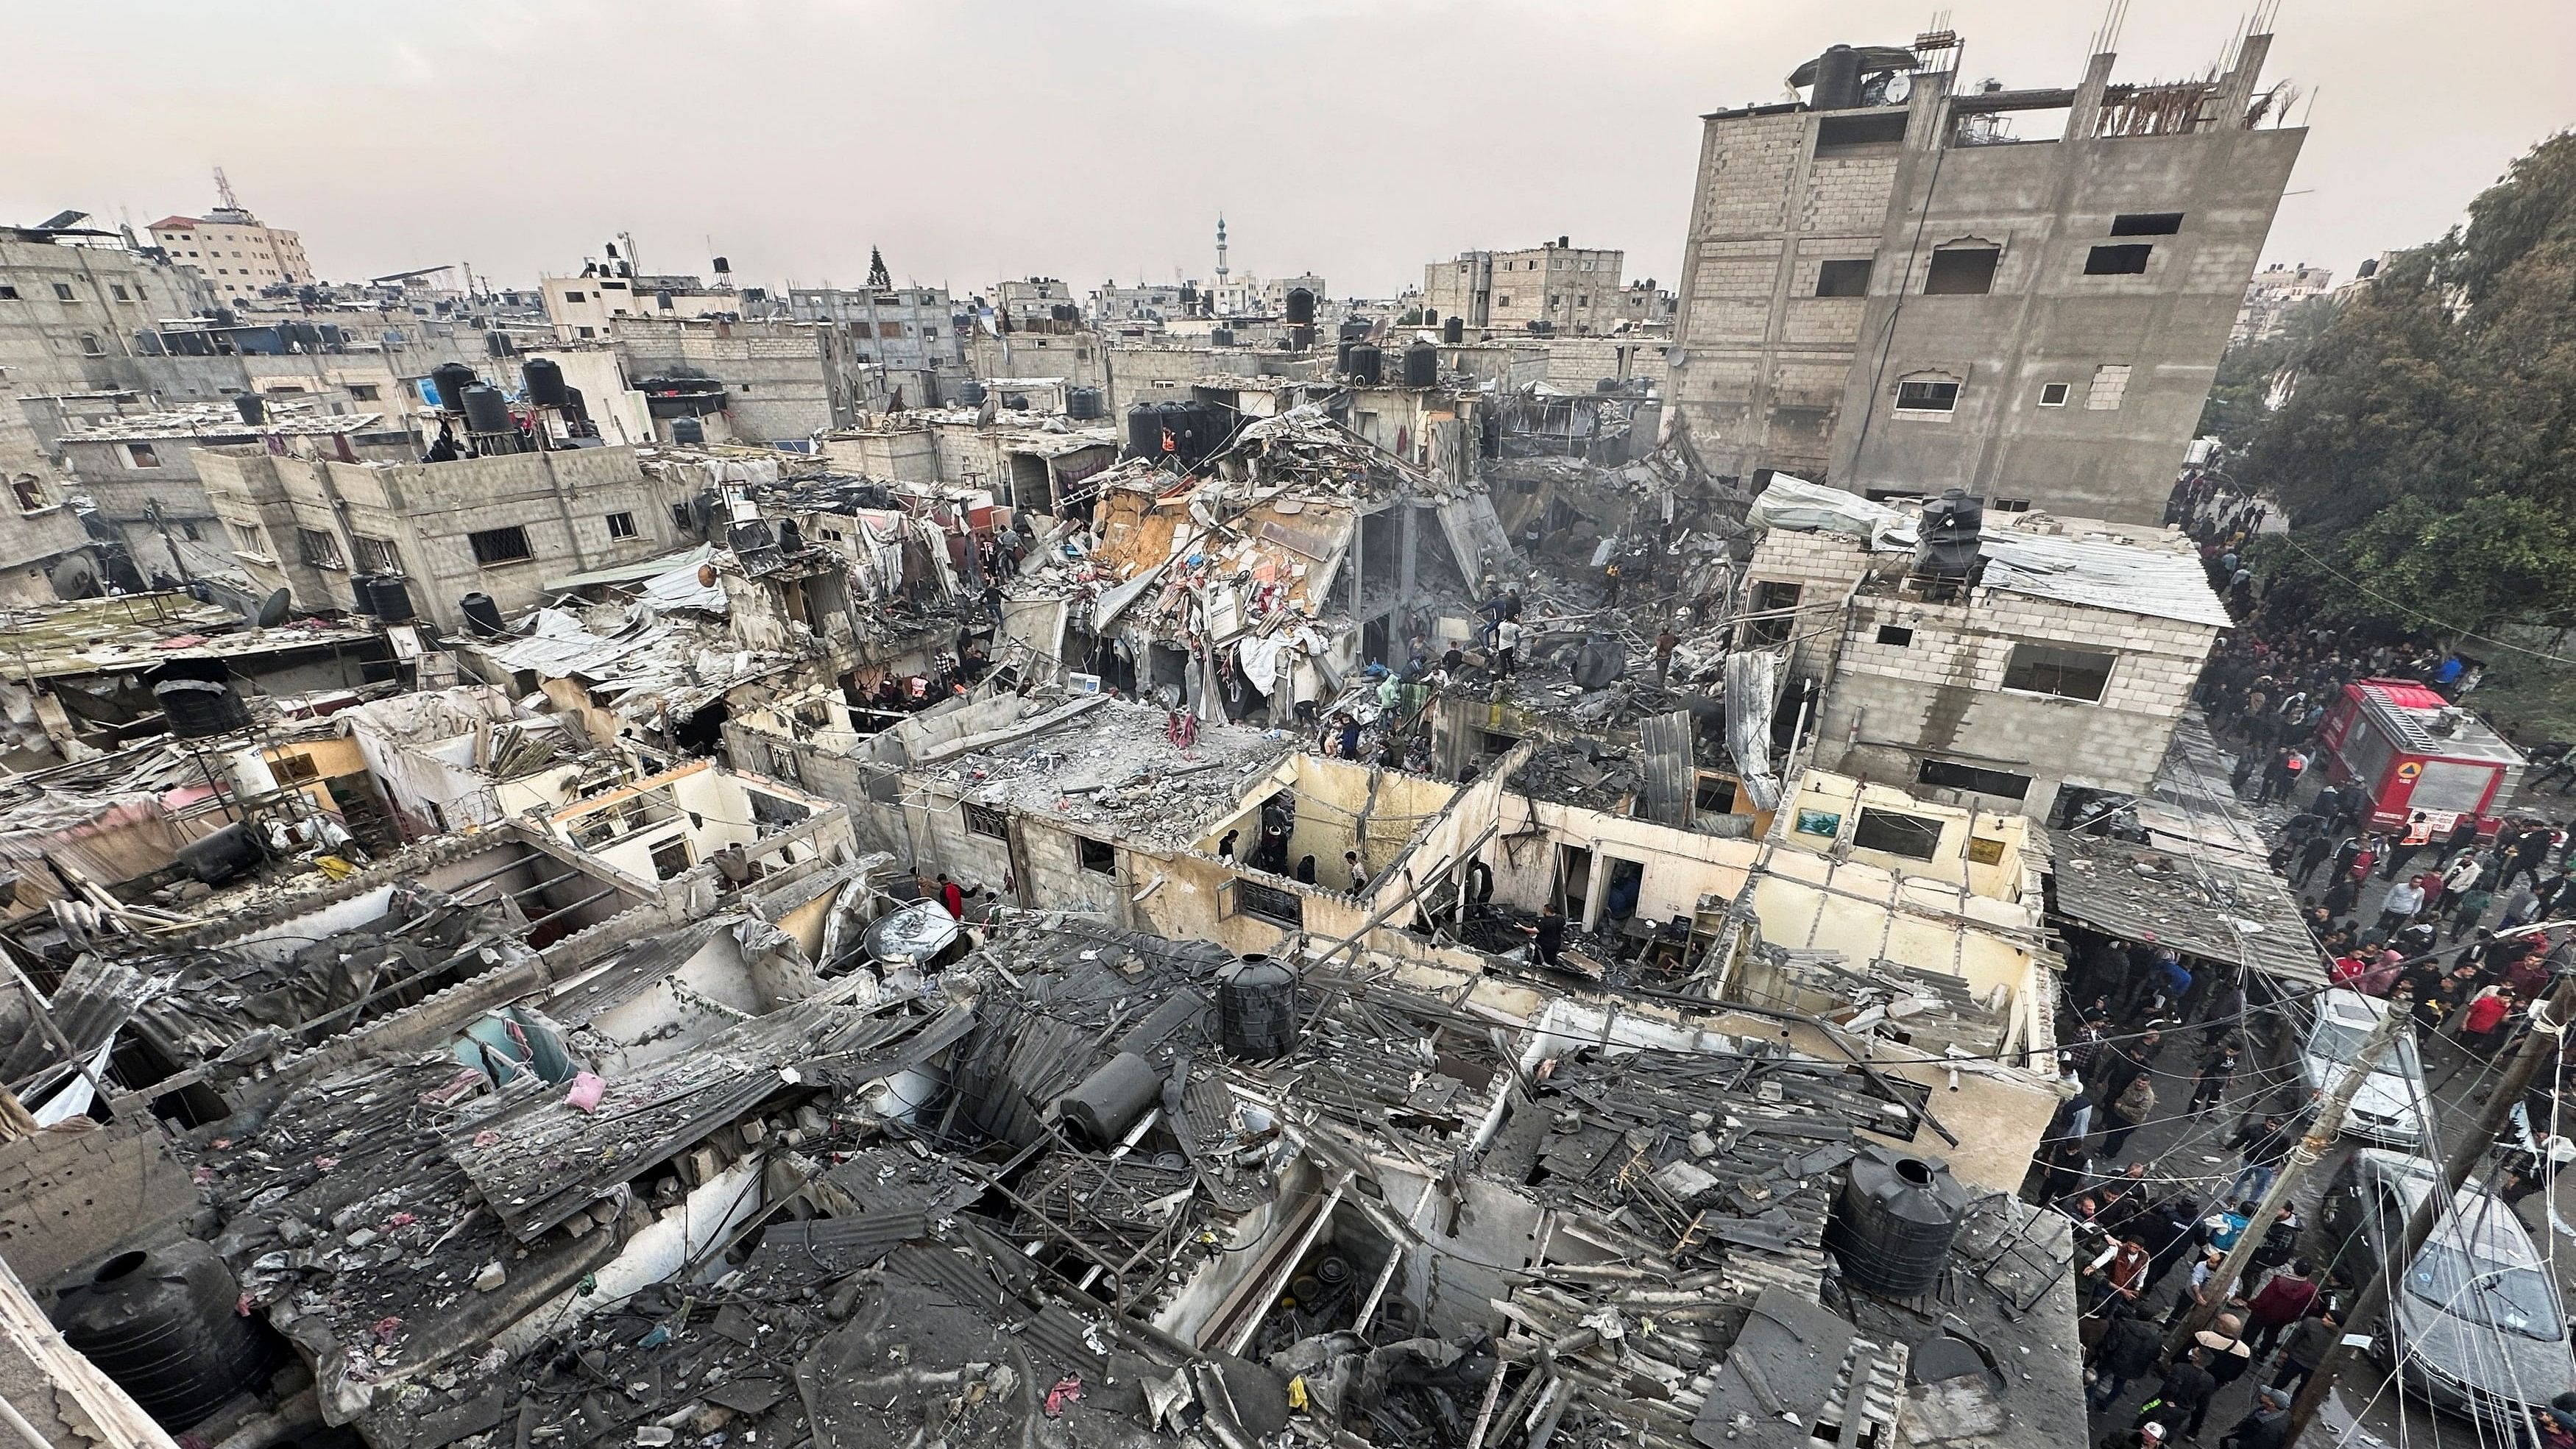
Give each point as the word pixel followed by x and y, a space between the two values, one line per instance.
pixel 2101 574
pixel 2185 898
pixel 1671 776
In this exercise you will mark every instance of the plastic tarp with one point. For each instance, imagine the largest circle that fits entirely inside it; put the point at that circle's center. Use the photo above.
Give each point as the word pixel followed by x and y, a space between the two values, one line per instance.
pixel 1795 503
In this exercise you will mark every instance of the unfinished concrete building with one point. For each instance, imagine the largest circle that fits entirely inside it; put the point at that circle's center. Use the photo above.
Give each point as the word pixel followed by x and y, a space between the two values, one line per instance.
pixel 2014 658
pixel 1898 287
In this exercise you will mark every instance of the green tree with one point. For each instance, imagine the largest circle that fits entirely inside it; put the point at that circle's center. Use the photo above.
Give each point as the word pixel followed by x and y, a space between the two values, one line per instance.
pixel 2248 372
pixel 2428 450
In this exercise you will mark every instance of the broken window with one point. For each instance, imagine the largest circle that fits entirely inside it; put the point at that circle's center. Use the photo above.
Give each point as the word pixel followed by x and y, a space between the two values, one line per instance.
pixel 1927 396
pixel 2146 223
pixel 1843 279
pixel 31 493
pixel 1267 903
pixel 244 534
pixel 364 392
pixel 141 455
pixel 500 545
pixel 671 858
pixel 1896 634
pixel 621 525
pixel 2052 394
pixel 783 763
pixel 1915 837
pixel 2128 259
pixel 1773 622
pixel 376 555
pixel 2110 384
pixel 1949 776
pixel 319 549
pixel 988 820
pixel 1098 856
pixel 1961 271
pixel 680 517
pixel 1714 794
pixel 2056 670
pixel 1835 133
pixel 292 769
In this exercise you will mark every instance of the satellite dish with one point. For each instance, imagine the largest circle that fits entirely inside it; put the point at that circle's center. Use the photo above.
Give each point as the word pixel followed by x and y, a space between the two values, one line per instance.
pixel 73 577
pixel 272 611
pixel 1899 86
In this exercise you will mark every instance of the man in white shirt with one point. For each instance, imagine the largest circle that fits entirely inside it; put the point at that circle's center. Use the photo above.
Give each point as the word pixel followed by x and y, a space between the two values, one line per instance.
pixel 1507 643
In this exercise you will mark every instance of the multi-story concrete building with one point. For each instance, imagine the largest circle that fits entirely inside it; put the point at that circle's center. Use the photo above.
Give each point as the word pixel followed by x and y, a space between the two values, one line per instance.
pixel 2270 296
pixel 1035 299
pixel 236 252
pixel 1144 302
pixel 907 327
pixel 1566 287
pixel 589 305
pixel 1901 288
pixel 510 526
pixel 2051 653
pixel 777 380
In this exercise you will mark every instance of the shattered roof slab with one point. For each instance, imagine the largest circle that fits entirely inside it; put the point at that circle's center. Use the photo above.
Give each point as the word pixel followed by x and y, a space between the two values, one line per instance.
pixel 2187 898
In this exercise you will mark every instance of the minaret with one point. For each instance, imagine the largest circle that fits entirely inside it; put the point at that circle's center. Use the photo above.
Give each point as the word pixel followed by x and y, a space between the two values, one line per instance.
pixel 1220 249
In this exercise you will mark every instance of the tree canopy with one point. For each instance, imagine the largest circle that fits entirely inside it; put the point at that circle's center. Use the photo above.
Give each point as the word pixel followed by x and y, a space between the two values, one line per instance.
pixel 2428 450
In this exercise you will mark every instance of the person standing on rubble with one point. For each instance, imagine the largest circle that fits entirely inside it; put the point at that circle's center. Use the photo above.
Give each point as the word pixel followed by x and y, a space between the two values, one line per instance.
pixel 1549 933
pixel 1665 643
pixel 1610 584
pixel 1507 644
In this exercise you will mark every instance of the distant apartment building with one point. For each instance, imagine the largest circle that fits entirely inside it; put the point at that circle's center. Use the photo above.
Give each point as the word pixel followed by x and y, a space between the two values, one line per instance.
pixel 236 252
pixel 1035 299
pixel 2272 294
pixel 1565 287
pixel 1900 287
pixel 1643 304
pixel 588 305
pixel 1153 303
pixel 895 326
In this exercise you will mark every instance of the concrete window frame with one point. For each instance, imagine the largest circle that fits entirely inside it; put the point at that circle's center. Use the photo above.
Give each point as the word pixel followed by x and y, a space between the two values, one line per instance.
pixel 2054 394
pixel 1928 397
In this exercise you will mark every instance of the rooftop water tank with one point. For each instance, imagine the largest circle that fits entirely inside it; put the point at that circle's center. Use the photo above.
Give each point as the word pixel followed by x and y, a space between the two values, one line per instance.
pixel 1256 1009
pixel 487 413
pixel 1368 364
pixel 1421 365
pixel 1453 330
pixel 450 380
pixel 545 380
pixel 1105 1104
pixel 195 709
pixel 1083 404
pixel 1301 306
pixel 392 598
pixel 1949 534
pixel 970 392
pixel 482 615
pixel 163 1324
pixel 1893 1224
pixel 252 407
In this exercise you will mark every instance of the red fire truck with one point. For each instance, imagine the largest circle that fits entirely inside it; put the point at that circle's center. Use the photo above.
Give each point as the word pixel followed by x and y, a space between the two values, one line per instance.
pixel 2413 751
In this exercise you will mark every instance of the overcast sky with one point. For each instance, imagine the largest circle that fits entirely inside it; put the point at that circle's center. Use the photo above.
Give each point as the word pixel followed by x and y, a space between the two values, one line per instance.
pixel 1355 138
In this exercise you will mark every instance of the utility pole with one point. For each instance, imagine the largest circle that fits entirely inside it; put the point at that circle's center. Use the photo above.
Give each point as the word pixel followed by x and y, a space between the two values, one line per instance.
pixel 2320 1136
pixel 2548 1021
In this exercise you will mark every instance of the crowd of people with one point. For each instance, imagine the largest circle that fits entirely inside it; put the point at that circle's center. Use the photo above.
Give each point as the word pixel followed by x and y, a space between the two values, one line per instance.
pixel 2422 916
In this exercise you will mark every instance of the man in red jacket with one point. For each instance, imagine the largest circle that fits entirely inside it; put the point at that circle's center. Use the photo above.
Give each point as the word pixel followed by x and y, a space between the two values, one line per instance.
pixel 2281 1302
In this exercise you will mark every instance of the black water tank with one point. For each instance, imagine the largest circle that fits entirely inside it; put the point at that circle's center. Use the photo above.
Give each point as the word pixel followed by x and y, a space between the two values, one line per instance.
pixel 544 377
pixel 1837 80
pixel 1301 338
pixel 971 393
pixel 1301 306
pixel 1256 1010
pixel 162 1325
pixel 450 380
pixel 1341 357
pixel 1454 330
pixel 1421 365
pixel 252 407
pixel 1084 404
pixel 1105 1104
pixel 196 708
pixel 1948 536
pixel 1367 364
pixel 1893 1223
pixel 1220 337
pixel 392 598
pixel 362 593
pixel 573 403
pixel 688 430
pixel 496 344
pixel 222 855
pixel 482 616
pixel 487 412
